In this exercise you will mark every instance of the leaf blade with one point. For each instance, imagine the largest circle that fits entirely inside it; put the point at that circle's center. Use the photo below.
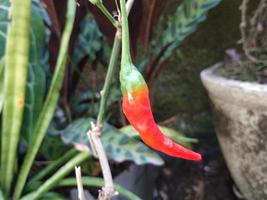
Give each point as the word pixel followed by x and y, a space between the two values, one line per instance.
pixel 118 146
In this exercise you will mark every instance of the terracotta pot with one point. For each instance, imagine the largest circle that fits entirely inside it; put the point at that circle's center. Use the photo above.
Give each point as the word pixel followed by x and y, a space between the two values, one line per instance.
pixel 240 110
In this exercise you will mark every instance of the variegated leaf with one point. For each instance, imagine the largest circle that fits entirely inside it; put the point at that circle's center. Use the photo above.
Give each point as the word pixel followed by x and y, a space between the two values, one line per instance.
pixel 118 145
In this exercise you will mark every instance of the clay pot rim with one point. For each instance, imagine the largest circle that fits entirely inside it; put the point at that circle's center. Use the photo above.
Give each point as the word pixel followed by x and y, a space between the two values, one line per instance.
pixel 208 74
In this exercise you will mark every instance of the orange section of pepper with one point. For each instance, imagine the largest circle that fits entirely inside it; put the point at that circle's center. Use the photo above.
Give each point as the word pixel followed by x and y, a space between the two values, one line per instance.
pixel 136 107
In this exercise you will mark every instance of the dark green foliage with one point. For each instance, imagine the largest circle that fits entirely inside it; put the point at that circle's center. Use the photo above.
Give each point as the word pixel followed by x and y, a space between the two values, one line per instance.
pixel 36 75
pixel 171 133
pixel 89 41
pixel 181 24
pixel 90 45
pixel 118 145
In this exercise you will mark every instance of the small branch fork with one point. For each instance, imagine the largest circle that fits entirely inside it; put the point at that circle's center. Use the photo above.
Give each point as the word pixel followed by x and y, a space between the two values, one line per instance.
pixel 94 133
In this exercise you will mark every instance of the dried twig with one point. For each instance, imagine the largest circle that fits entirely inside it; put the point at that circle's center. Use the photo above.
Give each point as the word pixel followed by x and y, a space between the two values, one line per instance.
pixel 243 29
pixel 243 24
pixel 81 195
pixel 107 191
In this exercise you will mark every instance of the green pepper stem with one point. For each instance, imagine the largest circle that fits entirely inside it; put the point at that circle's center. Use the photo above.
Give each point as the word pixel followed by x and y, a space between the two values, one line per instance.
pixel 126 55
pixel 108 80
pixel 105 11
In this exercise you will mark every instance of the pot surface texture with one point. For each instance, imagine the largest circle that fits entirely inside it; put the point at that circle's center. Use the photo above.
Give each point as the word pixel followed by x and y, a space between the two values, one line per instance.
pixel 240 116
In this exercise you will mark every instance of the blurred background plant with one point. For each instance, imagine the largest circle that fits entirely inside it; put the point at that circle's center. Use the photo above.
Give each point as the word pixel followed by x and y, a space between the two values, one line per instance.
pixel 250 64
pixel 88 54
pixel 253 30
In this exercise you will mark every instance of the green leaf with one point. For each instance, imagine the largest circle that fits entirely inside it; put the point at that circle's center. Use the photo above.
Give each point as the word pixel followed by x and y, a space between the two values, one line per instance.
pixel 15 80
pixel 52 147
pixel 1 83
pixel 4 6
pixel 60 174
pixel 171 133
pixel 48 195
pixel 34 99
pixel 1 195
pixel 91 44
pixel 49 106
pixel 182 23
pixel 98 182
pixel 36 76
pixel 52 195
pixel 85 102
pixel 88 101
pixel 118 146
pixel 89 41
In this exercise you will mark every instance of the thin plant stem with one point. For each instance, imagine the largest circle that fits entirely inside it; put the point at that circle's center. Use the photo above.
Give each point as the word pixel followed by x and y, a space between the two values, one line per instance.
pixel 243 30
pixel 94 135
pixel 111 68
pixel 58 176
pixel 61 173
pixel 46 114
pixel 243 24
pixel 126 54
pixel 105 11
pixel 53 166
pixel 98 182
pixel 78 174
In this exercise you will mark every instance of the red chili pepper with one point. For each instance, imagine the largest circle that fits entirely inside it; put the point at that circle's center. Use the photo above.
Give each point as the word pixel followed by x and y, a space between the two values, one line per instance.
pixel 136 107
pixel 136 103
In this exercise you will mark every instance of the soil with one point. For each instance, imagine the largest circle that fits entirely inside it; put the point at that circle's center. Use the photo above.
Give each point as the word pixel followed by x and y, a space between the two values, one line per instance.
pixel 246 71
pixel 185 180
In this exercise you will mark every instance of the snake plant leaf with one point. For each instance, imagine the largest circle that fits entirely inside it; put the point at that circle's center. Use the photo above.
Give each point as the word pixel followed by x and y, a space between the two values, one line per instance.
pixel 118 146
pixel 15 81
pixel 36 76
pixel 48 195
pixel 52 195
pixel 175 135
pixel 182 23
pixel 1 195
pixel 1 83
pixel 46 114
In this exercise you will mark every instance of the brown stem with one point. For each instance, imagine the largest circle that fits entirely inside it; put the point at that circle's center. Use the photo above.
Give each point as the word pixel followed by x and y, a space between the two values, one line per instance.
pixel 243 25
